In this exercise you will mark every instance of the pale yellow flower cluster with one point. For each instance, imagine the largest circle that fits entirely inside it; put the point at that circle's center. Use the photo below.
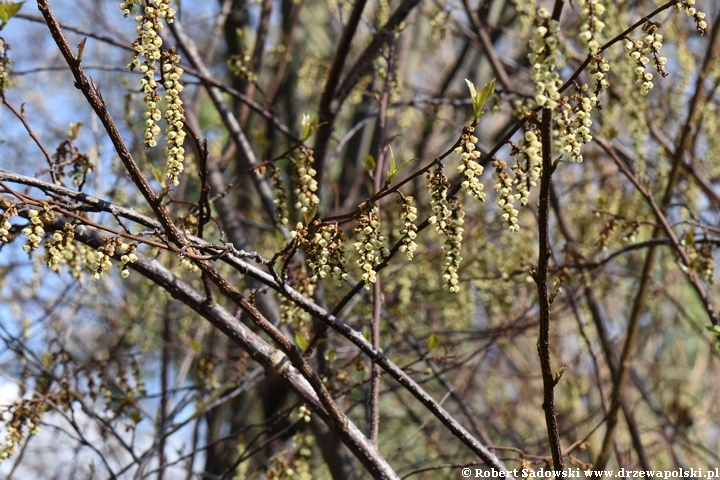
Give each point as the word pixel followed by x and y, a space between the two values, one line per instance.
pixel 370 244
pixel 174 116
pixel 5 64
pixel 147 53
pixel 447 217
pixel 591 11
pixel 408 215
pixel 57 248
pixel 689 9
pixel 505 196
pixel 574 124
pixel 469 166
pixel 305 183
pixel 35 230
pixel 545 58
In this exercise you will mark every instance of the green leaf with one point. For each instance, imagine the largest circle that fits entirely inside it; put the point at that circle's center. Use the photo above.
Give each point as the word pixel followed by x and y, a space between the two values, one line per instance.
pixel 689 238
pixel 473 89
pixel 74 130
pixel 81 49
pixel 557 288
pixel 157 174
pixel 7 11
pixel 433 342
pixel 13 8
pixel 394 168
pixel 486 93
pixel 366 333
pixel 369 163
pixel 301 341
pixel 479 98
pixel 309 215
pixel 330 354
pixel 308 126
pixel 136 416
pixel 715 329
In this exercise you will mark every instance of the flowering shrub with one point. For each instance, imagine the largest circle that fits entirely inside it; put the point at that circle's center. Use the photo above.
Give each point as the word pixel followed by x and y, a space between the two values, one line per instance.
pixel 434 338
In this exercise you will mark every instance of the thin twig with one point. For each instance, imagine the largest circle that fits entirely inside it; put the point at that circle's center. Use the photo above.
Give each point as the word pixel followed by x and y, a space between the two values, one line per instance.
pixel 660 211
pixel 541 278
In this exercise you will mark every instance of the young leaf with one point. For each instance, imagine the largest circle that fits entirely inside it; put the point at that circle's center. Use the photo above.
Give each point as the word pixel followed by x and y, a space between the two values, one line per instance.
pixel 369 163
pixel 81 49
pixel 394 167
pixel 301 341
pixel 689 238
pixel 433 342
pixel 74 130
pixel 330 354
pixel 309 215
pixel 47 359
pixel 7 11
pixel 366 333
pixel 479 98
pixel 157 174
pixel 473 89
pixel 309 125
pixel 715 329
pixel 136 416
pixel 557 288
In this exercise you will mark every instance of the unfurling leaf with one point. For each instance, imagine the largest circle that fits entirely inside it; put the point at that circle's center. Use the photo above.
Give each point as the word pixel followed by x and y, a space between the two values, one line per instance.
pixel 136 416
pixel 433 342
pixel 558 375
pixel 366 333
pixel 369 163
pixel 394 167
pixel 473 89
pixel 301 341
pixel 47 359
pixel 330 354
pixel 479 98
pixel 74 130
pixel 81 49
pixel 7 11
pixel 309 215
pixel 308 126
pixel 689 238
pixel 157 174
pixel 557 288
pixel 715 329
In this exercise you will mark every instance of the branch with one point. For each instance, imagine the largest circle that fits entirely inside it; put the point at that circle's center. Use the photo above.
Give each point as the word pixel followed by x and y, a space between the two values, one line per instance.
pixel 357 71
pixel 276 364
pixel 659 210
pixel 228 118
pixel 354 336
pixel 541 278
